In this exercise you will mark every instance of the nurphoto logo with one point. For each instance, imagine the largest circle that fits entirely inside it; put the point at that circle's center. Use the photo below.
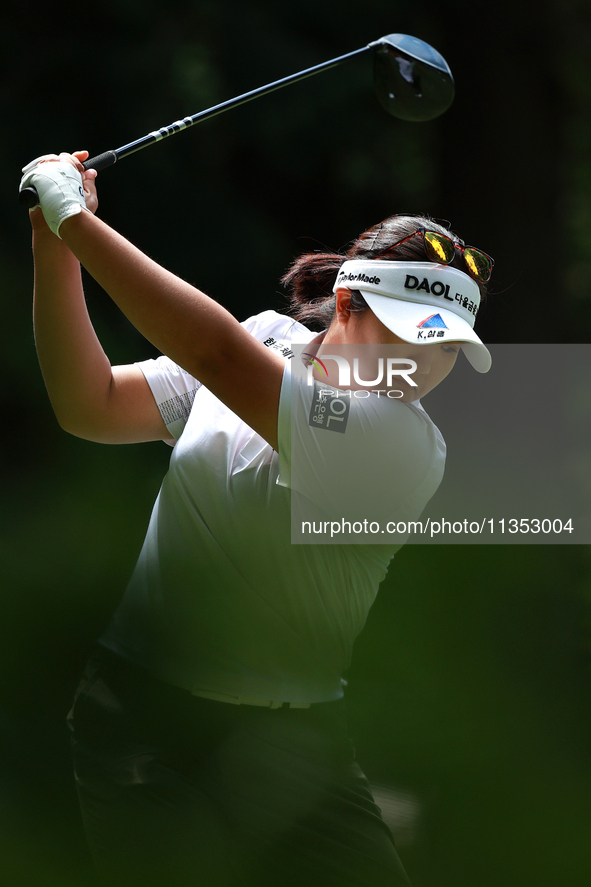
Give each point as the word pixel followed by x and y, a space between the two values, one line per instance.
pixel 401 367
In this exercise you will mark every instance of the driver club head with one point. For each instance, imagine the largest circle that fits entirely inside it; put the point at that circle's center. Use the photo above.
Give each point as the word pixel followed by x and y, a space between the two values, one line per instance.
pixel 412 80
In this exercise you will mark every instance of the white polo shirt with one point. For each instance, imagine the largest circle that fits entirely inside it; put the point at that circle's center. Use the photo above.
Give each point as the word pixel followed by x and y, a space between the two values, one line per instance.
pixel 220 599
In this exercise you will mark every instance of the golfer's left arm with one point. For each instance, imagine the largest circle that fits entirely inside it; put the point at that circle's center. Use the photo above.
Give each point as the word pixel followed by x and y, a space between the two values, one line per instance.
pixel 182 322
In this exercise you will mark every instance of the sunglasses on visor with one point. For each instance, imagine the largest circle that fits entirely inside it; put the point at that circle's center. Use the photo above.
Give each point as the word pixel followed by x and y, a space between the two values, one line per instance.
pixel 442 249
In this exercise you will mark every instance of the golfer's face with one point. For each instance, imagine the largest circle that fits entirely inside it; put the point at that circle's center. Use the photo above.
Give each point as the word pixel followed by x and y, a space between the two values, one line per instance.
pixel 434 361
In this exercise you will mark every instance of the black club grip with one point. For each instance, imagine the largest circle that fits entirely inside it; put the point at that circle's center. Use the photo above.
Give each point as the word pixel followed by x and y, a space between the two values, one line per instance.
pixel 101 161
pixel 28 197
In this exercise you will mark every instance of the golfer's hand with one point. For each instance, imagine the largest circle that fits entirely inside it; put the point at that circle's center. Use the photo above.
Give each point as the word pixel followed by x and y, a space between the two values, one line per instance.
pixel 88 178
pixel 88 183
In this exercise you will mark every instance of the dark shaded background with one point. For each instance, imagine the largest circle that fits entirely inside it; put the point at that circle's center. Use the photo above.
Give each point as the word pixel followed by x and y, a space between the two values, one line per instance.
pixel 470 686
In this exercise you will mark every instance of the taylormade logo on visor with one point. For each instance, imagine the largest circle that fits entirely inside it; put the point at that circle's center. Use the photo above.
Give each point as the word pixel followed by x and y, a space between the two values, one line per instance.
pixel 357 278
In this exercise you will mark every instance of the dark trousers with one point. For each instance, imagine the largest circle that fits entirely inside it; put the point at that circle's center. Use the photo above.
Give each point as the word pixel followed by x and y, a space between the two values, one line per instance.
pixel 176 790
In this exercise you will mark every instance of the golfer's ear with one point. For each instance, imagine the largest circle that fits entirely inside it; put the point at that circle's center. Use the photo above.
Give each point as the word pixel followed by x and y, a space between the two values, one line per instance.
pixel 343 306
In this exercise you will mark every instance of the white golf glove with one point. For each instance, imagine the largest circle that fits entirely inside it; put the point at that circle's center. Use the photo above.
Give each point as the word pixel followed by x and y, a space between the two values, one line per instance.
pixel 59 186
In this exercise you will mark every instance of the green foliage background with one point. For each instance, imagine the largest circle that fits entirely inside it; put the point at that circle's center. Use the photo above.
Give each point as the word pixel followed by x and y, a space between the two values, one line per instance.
pixel 470 685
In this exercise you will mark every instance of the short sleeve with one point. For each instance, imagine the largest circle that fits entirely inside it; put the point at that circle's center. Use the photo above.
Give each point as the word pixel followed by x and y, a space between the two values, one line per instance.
pixel 174 391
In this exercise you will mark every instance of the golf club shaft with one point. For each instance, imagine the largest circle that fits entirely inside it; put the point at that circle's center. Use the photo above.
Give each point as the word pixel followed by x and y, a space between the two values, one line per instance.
pixel 29 198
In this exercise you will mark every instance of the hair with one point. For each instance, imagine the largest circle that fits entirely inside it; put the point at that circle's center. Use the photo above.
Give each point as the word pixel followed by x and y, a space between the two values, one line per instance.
pixel 311 276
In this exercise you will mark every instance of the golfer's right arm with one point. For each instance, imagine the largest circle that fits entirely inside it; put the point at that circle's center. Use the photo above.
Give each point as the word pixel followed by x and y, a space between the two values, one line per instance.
pixel 90 398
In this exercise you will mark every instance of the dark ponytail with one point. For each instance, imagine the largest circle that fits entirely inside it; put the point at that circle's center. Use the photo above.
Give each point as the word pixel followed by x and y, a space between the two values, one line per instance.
pixel 310 280
pixel 311 277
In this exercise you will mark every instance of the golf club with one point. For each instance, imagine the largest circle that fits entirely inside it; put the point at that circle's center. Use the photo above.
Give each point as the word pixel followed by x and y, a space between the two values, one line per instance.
pixel 412 80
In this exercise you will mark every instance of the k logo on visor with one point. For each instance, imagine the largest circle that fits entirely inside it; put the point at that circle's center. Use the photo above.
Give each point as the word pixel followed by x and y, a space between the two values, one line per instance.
pixel 434 320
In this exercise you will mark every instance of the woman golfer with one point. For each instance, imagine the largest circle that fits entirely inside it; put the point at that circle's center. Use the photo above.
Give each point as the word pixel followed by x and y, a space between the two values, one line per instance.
pixel 209 733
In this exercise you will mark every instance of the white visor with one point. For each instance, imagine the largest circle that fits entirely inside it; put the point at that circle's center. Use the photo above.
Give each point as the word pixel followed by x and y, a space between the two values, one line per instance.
pixel 420 302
